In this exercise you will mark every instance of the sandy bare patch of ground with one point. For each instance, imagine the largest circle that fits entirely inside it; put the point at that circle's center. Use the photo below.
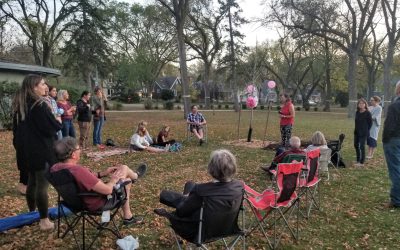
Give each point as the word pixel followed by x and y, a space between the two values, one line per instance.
pixel 252 143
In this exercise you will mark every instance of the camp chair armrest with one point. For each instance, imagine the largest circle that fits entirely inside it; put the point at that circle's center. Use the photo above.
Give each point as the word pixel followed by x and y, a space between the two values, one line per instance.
pixel 89 194
pixel 124 183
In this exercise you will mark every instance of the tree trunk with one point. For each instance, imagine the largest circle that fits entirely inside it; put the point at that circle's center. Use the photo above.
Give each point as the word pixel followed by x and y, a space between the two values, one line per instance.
pixel 206 78
pixel 183 65
pixel 328 85
pixel 233 65
pixel 387 77
pixel 352 70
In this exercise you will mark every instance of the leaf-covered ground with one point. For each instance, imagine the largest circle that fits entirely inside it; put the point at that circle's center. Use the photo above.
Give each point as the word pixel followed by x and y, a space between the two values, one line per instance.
pixel 352 215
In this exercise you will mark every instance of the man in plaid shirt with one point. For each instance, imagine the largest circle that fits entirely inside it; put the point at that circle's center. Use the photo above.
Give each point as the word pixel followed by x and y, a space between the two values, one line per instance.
pixel 196 121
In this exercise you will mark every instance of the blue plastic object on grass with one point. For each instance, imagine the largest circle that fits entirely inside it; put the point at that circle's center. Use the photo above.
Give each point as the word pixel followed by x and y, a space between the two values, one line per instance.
pixel 27 218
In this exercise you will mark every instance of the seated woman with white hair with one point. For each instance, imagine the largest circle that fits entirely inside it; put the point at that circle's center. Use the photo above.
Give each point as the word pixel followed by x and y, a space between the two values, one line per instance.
pixel 223 188
pixel 317 141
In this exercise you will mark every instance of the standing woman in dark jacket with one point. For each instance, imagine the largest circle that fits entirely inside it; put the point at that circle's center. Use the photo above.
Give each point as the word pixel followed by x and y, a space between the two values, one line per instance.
pixel 35 127
pixel 363 123
pixel 84 115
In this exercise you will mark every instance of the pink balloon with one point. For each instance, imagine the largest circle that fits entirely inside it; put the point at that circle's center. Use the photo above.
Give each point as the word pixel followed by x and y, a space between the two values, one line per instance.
pixel 271 84
pixel 250 89
pixel 251 102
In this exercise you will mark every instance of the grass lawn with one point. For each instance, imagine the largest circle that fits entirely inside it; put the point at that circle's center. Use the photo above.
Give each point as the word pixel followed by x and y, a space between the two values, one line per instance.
pixel 351 216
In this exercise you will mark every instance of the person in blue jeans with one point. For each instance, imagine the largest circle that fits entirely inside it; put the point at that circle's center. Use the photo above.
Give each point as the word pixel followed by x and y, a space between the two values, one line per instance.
pixel 99 103
pixel 68 114
pixel 391 148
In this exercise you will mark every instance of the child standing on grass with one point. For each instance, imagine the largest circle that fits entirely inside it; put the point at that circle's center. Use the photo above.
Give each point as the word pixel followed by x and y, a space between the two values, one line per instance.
pixel 363 123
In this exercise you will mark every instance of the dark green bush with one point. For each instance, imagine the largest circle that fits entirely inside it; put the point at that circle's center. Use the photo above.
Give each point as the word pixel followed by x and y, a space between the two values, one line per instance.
pixel 135 98
pixel 315 108
pixel 298 108
pixel 200 106
pixel 169 105
pixel 226 106
pixel 278 107
pixel 342 98
pixel 148 103
pixel 212 106
pixel 262 107
pixel 117 106
pixel 244 106
pixel 167 94
pixel 219 106
pixel 179 107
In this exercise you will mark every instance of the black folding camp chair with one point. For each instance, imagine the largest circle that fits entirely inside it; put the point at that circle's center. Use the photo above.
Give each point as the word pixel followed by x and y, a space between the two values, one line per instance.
pixel 217 223
pixel 69 196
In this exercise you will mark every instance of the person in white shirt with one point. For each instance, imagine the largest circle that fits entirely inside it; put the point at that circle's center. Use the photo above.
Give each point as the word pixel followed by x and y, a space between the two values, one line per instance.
pixel 141 140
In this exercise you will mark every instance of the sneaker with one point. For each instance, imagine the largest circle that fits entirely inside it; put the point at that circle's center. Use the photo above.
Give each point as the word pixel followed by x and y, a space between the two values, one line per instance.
pixel 368 157
pixel 133 220
pixel 201 142
pixel 101 146
pixel 162 212
pixel 141 170
pixel 358 165
pixel 188 187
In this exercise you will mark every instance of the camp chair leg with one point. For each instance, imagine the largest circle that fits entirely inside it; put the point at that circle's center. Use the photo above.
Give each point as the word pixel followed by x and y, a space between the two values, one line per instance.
pixel 315 199
pixel 83 232
pixel 178 242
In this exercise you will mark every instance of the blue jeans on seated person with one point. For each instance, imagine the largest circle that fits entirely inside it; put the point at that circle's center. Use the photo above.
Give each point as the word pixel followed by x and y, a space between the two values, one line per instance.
pixel 392 156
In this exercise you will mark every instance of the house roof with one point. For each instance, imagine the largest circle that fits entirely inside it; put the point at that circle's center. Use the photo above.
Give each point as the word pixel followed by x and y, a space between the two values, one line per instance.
pixel 167 82
pixel 26 68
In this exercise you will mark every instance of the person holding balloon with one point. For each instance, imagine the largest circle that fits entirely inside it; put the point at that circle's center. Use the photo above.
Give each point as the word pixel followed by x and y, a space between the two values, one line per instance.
pixel 287 115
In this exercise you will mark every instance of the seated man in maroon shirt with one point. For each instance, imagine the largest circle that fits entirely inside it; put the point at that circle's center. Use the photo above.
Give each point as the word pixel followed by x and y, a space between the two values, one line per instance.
pixel 68 153
pixel 295 144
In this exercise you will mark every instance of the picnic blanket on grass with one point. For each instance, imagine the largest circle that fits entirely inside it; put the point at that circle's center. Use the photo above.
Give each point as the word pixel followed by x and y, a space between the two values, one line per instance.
pixel 98 155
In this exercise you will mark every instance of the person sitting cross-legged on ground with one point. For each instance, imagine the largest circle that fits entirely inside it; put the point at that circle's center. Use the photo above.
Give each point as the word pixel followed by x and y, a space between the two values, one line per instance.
pixel 196 122
pixel 163 137
pixel 141 140
pixel 68 153
pixel 295 144
pixel 223 189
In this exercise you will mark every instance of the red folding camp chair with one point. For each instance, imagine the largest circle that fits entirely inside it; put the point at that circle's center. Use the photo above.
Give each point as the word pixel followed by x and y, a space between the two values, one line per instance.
pixel 280 204
pixel 309 187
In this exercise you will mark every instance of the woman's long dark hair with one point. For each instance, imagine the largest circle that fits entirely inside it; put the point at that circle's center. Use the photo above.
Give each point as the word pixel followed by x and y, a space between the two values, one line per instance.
pixel 26 93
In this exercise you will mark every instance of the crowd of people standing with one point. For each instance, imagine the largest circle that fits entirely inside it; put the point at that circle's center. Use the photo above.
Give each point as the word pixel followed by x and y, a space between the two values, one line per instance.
pixel 41 116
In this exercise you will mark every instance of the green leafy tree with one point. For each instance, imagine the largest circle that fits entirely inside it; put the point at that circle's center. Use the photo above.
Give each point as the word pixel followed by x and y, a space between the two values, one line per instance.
pixel 232 11
pixel 179 10
pixel 146 43
pixel 204 36
pixel 42 22
pixel 7 91
pixel 347 27
pixel 87 50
